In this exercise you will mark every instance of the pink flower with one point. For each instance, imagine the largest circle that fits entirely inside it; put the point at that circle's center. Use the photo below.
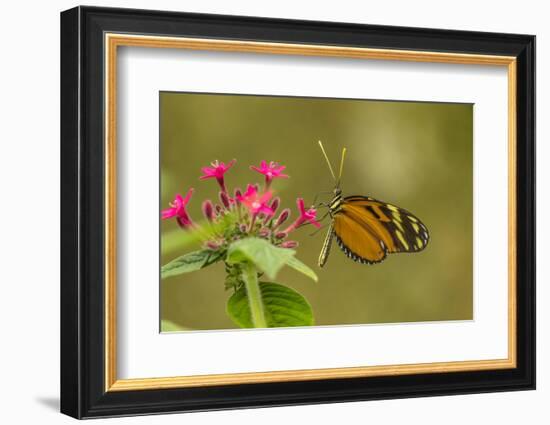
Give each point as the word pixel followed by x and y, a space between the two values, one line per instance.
pixel 255 202
pixel 177 209
pixel 306 216
pixel 270 171
pixel 217 171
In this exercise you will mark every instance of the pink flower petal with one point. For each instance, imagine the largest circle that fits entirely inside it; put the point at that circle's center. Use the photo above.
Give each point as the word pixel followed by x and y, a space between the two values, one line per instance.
pixel 185 200
pixel 168 213
pixel 300 205
pixel 265 197
pixel 266 210
pixel 315 223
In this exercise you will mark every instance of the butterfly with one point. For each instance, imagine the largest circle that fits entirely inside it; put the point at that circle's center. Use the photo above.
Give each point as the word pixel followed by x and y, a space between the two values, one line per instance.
pixel 367 229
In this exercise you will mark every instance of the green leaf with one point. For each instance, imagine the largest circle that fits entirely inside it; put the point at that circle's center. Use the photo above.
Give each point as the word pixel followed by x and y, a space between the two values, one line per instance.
pixel 265 256
pixel 283 307
pixel 190 262
pixel 302 268
pixel 169 326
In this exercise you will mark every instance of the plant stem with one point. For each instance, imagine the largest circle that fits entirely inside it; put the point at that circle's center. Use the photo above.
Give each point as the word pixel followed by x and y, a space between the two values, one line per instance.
pixel 250 277
pixel 252 221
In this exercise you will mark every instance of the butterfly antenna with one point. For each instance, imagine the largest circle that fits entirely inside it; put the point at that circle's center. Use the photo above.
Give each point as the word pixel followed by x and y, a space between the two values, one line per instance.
pixel 328 162
pixel 341 165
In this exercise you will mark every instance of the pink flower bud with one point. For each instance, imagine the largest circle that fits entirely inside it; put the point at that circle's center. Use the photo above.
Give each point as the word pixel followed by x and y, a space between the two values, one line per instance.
pixel 212 245
pixel 208 210
pixel 280 235
pixel 225 200
pixel 275 204
pixel 289 244
pixel 283 217
pixel 264 232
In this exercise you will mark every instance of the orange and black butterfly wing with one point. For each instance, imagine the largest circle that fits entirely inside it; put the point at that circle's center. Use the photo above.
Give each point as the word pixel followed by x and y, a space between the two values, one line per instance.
pixel 358 242
pixel 367 229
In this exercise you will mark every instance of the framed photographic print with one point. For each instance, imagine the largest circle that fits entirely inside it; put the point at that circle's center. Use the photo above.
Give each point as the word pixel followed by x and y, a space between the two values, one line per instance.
pixel 261 212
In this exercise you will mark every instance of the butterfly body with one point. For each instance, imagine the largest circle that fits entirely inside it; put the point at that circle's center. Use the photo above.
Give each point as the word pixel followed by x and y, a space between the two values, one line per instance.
pixel 367 229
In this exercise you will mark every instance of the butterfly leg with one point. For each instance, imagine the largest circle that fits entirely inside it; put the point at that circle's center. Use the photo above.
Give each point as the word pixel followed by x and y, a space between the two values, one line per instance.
pixel 324 215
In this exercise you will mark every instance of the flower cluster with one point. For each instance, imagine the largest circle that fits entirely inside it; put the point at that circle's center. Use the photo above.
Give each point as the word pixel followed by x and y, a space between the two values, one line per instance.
pixel 239 214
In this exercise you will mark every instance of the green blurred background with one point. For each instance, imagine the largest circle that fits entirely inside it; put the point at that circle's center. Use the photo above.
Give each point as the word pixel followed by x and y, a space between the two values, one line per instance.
pixel 415 155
